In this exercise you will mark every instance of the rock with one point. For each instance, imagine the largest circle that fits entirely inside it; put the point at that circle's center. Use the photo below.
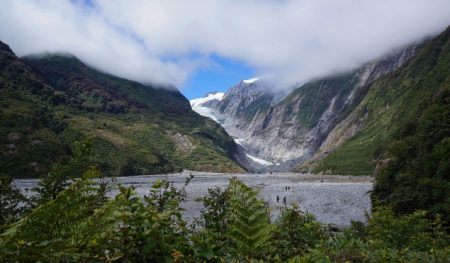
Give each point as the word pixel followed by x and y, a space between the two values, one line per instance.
pixel 182 143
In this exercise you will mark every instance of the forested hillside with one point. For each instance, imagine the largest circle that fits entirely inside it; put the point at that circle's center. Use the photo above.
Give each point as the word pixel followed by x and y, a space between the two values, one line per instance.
pixel 48 102
pixel 292 126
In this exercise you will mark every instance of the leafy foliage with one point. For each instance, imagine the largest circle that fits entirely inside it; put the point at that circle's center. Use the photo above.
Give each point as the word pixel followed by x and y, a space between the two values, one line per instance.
pixel 249 227
pixel 141 231
pixel 49 102
pixel 417 175
pixel 90 228
pixel 409 238
pixel 71 206
pixel 51 184
pixel 296 233
pixel 412 231
pixel 212 242
pixel 236 227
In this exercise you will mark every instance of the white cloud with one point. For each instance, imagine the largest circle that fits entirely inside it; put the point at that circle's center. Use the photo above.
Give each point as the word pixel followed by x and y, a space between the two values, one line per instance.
pixel 153 41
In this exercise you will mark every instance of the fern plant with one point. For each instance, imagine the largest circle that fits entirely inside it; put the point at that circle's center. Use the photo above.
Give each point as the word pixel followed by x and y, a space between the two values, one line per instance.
pixel 53 231
pixel 61 217
pixel 130 229
pixel 250 228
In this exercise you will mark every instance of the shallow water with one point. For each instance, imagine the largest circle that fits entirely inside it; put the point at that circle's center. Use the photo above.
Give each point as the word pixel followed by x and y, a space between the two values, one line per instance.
pixel 331 202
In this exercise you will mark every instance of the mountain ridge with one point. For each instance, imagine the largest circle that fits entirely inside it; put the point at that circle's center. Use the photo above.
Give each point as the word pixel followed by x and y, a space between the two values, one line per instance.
pixel 49 102
pixel 391 102
pixel 290 130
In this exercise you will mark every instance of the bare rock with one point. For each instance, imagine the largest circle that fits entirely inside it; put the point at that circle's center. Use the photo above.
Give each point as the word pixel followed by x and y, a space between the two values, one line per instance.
pixel 183 143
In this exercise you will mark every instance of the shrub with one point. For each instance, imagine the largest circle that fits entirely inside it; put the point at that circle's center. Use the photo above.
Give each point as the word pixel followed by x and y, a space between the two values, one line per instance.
pixel 296 232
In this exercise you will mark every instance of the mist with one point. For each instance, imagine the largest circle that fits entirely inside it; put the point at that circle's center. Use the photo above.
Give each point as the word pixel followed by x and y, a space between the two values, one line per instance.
pixel 166 42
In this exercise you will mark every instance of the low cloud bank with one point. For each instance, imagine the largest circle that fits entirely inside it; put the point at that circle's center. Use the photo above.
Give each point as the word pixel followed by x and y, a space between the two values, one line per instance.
pixel 165 42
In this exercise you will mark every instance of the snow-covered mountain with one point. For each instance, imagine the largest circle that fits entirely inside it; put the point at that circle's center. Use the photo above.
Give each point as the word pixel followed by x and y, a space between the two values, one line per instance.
pixel 284 133
pixel 207 106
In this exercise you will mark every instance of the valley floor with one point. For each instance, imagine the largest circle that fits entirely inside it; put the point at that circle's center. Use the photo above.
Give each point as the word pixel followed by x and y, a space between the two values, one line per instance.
pixel 333 199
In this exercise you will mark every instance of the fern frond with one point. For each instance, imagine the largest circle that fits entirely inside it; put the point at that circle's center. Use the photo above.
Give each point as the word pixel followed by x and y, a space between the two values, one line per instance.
pixel 250 227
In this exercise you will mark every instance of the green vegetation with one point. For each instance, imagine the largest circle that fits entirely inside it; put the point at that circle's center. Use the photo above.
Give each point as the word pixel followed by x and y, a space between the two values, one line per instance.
pixel 234 227
pixel 312 99
pixel 416 173
pixel 355 157
pixel 392 103
pixel 249 228
pixel 49 102
pixel 406 138
pixel 70 219
pixel 262 103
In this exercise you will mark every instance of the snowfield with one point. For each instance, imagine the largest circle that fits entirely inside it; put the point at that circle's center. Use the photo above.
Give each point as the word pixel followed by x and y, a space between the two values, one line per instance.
pixel 196 105
pixel 260 161
pixel 212 96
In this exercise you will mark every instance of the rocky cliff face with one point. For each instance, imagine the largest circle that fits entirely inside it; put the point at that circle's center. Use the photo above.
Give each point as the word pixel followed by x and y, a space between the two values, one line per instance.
pixel 392 105
pixel 312 119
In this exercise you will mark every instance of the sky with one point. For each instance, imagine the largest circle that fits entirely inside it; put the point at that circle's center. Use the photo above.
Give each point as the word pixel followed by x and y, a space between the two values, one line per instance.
pixel 209 45
pixel 222 74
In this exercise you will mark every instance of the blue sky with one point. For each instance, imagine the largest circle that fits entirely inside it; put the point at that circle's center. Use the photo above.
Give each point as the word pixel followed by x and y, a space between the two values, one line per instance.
pixel 219 77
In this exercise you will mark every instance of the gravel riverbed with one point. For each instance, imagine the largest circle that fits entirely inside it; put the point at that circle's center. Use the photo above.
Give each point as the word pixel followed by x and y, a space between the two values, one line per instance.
pixel 333 199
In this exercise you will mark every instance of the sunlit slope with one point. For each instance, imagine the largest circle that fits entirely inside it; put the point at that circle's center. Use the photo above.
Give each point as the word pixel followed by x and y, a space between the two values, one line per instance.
pixel 48 102
pixel 391 103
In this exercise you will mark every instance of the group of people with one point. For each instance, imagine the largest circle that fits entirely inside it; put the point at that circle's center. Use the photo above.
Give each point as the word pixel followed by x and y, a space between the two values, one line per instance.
pixel 284 199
